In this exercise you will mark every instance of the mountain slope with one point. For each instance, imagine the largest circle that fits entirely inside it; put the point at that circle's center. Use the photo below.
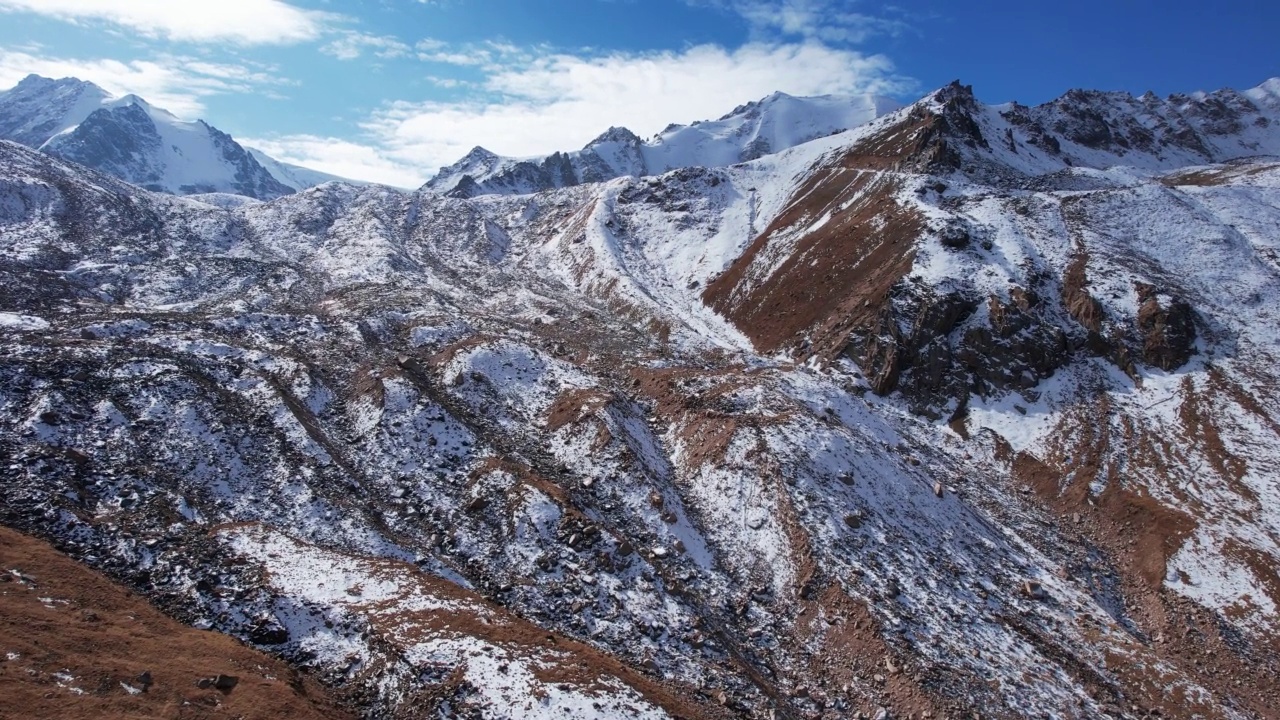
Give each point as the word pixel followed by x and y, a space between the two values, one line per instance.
pixel 753 130
pixel 77 645
pixel 139 143
pixel 906 418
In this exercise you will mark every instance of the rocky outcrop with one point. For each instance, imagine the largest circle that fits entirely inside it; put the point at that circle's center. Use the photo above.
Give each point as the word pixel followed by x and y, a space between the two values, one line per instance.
pixel 909 348
pixel 937 349
pixel 1208 127
pixel 1017 346
pixel 121 141
pixel 1166 328
pixel 1084 308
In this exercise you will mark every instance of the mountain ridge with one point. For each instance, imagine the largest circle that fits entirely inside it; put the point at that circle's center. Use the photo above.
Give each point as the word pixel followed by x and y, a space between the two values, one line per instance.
pixel 922 417
pixel 750 131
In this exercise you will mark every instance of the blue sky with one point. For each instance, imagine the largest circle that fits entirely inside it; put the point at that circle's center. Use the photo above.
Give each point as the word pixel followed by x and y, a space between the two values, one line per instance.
pixel 389 90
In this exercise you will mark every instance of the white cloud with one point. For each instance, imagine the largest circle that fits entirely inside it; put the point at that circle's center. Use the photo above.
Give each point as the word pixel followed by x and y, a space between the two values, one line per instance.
pixel 177 84
pixel 833 21
pixel 343 158
pixel 244 22
pixel 350 45
pixel 533 104
pixel 489 55
pixel 559 101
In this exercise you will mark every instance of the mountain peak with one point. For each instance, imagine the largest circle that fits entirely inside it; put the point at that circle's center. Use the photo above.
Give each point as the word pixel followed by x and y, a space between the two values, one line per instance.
pixel 616 134
pixel 131 99
pixel 956 94
pixel 479 153
pixel 34 81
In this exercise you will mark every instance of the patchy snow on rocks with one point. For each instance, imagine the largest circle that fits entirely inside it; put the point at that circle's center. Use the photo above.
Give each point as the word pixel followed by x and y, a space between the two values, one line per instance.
pixel 966 409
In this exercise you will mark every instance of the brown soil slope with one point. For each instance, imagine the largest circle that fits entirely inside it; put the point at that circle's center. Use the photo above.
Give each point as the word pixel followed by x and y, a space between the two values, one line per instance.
pixel 75 645
pixel 823 279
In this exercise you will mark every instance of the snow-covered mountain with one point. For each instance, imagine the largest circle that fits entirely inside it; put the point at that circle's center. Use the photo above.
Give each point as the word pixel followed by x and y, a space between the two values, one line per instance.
pixel 147 146
pixel 968 410
pixel 751 131
pixel 39 108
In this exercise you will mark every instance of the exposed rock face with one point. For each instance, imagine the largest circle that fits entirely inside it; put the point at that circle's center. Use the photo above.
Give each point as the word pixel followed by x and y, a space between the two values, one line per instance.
pixel 1212 127
pixel 911 349
pixel 1084 308
pixel 1016 348
pixel 935 345
pixel 1166 327
pixel 120 141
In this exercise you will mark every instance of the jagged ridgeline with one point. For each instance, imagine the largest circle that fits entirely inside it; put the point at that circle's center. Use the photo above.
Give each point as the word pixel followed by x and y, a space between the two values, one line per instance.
pixel 827 408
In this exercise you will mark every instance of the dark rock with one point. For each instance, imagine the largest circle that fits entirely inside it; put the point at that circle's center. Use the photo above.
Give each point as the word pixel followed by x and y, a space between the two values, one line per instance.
pixel 268 634
pixel 1034 590
pixel 954 236
pixel 1166 327
pixel 225 682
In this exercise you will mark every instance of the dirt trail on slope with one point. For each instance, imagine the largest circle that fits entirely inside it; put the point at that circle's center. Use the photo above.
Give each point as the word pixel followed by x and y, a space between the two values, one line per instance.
pixel 75 645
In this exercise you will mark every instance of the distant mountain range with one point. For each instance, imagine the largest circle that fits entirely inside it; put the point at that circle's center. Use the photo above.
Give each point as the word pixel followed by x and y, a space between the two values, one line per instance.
pixel 137 142
pixel 776 123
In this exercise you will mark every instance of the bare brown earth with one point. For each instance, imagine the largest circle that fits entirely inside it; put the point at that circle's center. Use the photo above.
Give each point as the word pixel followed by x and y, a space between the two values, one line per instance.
pixel 71 641
pixel 1139 535
pixel 1222 175
pixel 837 278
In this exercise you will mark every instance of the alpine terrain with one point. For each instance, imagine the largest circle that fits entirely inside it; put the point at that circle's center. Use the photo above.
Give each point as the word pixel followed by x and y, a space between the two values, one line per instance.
pixel 826 409
pixel 141 144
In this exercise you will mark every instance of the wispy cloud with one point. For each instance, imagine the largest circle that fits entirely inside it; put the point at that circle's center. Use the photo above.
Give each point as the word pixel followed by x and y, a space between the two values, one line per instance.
pixel 176 83
pixel 546 101
pixel 490 55
pixel 350 44
pixel 243 22
pixel 831 21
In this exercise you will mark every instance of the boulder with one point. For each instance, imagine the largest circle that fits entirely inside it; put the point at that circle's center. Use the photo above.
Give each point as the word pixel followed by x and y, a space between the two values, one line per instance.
pixel 1034 590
